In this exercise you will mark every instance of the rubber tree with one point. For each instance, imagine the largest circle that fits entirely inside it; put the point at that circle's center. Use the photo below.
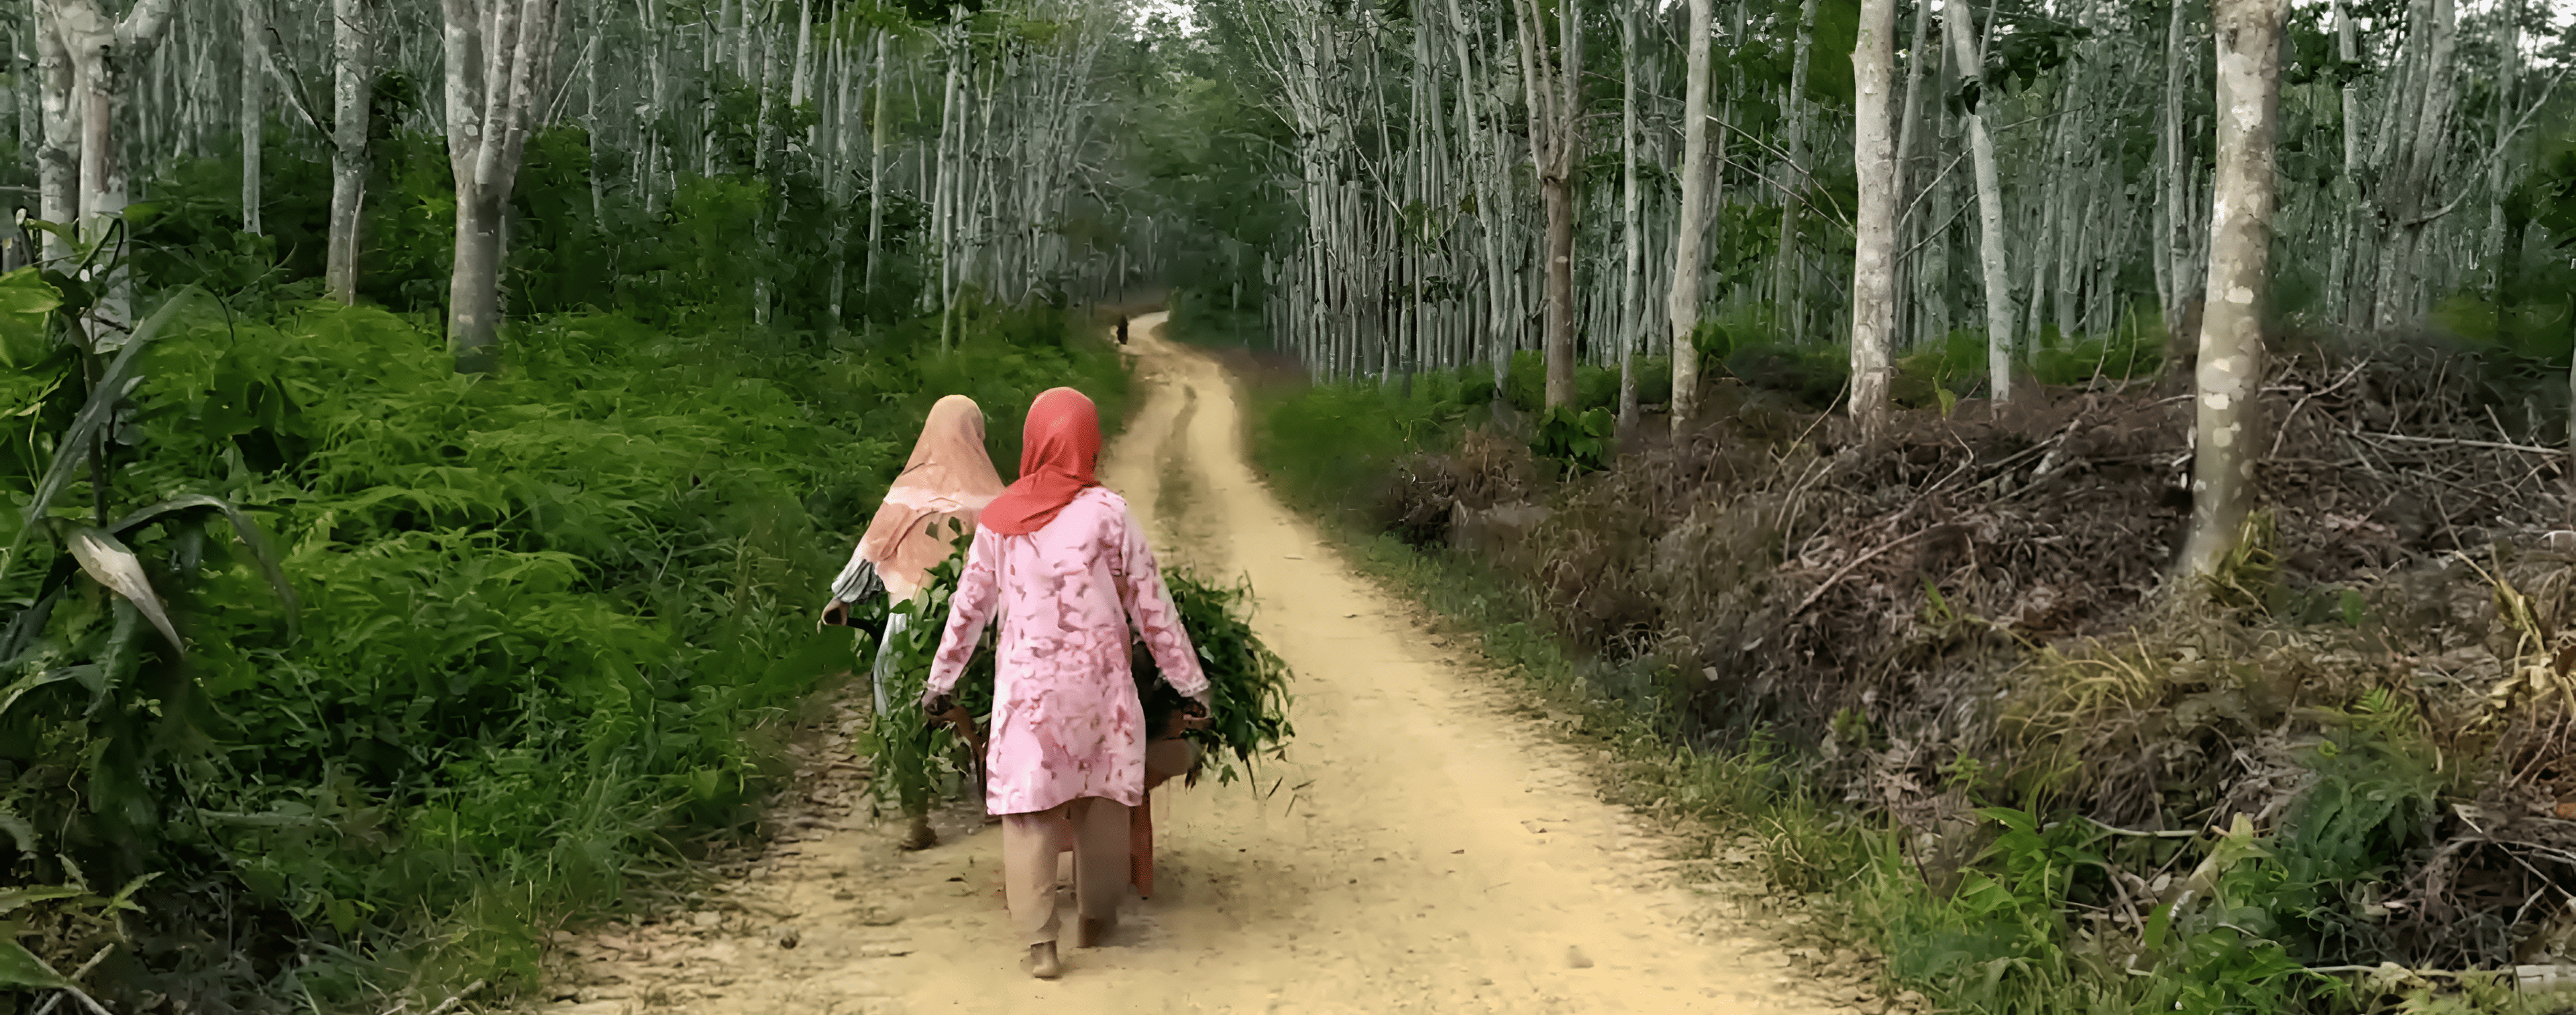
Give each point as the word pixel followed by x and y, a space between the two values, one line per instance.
pixel 87 60
pixel 498 53
pixel 351 91
pixel 1552 74
pixel 1957 21
pixel 2229 374
pixel 254 109
pixel 1681 305
pixel 1874 245
pixel 1631 229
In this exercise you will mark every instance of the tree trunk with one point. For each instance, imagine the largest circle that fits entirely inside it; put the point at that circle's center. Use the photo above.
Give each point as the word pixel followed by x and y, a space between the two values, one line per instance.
pixel 2175 244
pixel 1874 246
pixel 1632 232
pixel 1681 304
pixel 1555 91
pixel 58 156
pixel 497 52
pixel 1789 279
pixel 1990 210
pixel 1557 191
pixel 102 53
pixel 2509 43
pixel 876 165
pixel 2230 370
pixel 254 111
pixel 351 88
pixel 1909 121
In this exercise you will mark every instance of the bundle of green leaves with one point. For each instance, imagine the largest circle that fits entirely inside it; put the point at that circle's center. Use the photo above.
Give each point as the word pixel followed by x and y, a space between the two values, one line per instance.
pixel 1248 685
pixel 1247 682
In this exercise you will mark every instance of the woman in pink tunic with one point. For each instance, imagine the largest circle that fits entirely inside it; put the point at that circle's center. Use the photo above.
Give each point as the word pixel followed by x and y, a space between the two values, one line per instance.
pixel 1069 567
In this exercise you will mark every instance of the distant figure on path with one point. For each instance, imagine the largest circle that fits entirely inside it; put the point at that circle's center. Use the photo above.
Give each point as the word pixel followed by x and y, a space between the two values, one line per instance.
pixel 1122 329
pixel 936 500
pixel 1068 566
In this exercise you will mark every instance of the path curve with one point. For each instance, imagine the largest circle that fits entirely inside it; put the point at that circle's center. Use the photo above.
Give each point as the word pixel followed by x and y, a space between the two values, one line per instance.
pixel 1428 849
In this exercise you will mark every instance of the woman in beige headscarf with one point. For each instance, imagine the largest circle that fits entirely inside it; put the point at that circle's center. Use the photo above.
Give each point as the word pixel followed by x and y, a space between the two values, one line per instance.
pixel 929 514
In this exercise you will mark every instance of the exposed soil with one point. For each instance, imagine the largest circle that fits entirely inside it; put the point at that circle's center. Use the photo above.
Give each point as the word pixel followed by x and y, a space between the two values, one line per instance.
pixel 1426 845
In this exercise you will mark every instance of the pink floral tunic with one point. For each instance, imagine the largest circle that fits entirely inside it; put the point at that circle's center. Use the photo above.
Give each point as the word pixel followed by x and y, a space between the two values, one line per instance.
pixel 1066 722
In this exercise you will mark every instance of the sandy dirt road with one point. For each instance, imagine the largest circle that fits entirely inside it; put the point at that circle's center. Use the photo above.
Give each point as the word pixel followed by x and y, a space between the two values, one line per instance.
pixel 1427 849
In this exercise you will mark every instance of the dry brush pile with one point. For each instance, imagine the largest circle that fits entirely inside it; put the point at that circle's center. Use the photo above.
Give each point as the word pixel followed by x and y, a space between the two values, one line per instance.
pixel 1972 610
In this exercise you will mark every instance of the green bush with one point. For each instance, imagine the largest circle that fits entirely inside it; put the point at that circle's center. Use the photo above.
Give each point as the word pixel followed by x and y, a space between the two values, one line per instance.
pixel 1595 387
pixel 550 620
pixel 1329 446
pixel 1580 441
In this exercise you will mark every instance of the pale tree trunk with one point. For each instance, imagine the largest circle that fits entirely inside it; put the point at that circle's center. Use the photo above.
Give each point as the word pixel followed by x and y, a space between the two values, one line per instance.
pixel 351 91
pixel 1909 123
pixel 254 109
pixel 1554 82
pixel 497 54
pixel 1874 245
pixel 102 53
pixel 876 165
pixel 2230 370
pixel 1955 20
pixel 2347 229
pixel 58 155
pixel 2176 243
pixel 2509 43
pixel 1681 303
pixel 944 204
pixel 1632 233
pixel 1789 278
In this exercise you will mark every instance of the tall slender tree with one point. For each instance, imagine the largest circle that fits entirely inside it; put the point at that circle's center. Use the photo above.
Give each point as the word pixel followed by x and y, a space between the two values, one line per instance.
pixel 1958 20
pixel 1874 246
pixel 254 106
pixel 98 55
pixel 1631 316
pixel 1552 74
pixel 351 93
pixel 2229 375
pixel 498 55
pixel 1681 306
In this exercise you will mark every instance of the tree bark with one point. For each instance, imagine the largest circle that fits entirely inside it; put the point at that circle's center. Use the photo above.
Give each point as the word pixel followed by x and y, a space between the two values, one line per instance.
pixel 1632 232
pixel 1990 208
pixel 1874 245
pixel 1789 278
pixel 1555 89
pixel 58 155
pixel 351 91
pixel 497 51
pixel 2230 369
pixel 1681 304
pixel 876 164
pixel 254 110
pixel 101 53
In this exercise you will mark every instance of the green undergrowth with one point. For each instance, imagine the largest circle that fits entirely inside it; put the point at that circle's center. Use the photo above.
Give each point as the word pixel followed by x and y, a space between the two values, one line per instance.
pixel 551 629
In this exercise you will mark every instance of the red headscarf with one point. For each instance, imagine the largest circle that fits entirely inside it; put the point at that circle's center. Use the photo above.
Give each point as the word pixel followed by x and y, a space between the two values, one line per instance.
pixel 1058 449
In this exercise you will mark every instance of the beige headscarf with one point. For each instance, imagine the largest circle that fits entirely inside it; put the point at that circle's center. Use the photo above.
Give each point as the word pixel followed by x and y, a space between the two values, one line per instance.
pixel 949 476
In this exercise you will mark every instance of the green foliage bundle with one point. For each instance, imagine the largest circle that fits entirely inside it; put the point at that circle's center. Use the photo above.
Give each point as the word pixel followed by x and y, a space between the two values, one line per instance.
pixel 911 757
pixel 547 624
pixel 1248 685
pixel 1247 682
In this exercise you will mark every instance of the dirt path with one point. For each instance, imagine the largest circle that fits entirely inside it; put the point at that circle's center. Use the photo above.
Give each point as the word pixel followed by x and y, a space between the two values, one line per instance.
pixel 1427 848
